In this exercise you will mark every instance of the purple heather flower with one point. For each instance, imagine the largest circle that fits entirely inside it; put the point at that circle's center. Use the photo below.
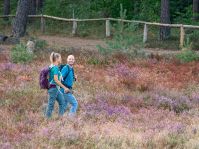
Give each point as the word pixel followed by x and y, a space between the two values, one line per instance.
pixel 178 104
pixel 195 98
pixel 6 145
pixel 7 66
pixel 14 67
pixel 177 128
pixel 123 70
pixel 45 131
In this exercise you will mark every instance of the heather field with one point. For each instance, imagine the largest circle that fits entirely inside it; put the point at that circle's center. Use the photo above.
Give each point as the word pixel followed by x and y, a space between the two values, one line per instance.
pixel 124 103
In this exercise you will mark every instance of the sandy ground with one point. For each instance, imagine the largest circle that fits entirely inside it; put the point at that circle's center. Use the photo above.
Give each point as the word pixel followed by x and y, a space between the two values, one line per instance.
pixel 74 42
pixel 4 53
pixel 90 44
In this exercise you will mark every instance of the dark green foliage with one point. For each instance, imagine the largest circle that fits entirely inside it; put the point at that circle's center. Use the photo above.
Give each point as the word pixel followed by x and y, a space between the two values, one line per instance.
pixel 19 54
pixel 194 38
pixel 187 56
pixel 149 10
pixel 39 43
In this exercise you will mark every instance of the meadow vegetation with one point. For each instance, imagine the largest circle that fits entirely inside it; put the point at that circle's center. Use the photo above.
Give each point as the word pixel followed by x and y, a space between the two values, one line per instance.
pixel 128 97
pixel 126 101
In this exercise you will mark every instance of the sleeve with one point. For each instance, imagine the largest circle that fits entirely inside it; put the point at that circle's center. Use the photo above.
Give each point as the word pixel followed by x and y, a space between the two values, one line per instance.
pixel 64 71
pixel 55 70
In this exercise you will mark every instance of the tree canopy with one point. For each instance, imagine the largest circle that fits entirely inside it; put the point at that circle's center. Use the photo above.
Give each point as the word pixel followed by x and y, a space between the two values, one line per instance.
pixel 181 11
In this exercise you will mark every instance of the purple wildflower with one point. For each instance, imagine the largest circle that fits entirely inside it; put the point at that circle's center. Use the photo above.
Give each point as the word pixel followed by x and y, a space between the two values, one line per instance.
pixel 103 107
pixel 7 66
pixel 195 98
pixel 14 67
pixel 6 145
pixel 123 70
pixel 177 128
pixel 176 104
pixel 45 131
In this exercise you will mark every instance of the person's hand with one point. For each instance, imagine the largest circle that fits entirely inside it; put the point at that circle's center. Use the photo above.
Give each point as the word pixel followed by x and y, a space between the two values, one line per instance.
pixel 75 77
pixel 66 90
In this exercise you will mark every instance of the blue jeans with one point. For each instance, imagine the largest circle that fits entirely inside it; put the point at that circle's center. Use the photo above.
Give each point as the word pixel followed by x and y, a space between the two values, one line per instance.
pixel 69 98
pixel 54 94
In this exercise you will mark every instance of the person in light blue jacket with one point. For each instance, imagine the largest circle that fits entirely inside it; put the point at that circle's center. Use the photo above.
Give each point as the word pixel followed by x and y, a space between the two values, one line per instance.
pixel 68 78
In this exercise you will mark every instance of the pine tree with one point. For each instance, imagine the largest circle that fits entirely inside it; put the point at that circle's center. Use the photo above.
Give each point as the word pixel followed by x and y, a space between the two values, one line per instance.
pixel 165 18
pixel 6 8
pixel 20 21
pixel 196 9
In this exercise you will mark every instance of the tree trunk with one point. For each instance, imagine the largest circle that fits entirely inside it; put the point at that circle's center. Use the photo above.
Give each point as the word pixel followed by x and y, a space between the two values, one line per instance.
pixel 165 18
pixel 20 21
pixel 40 5
pixel 6 8
pixel 136 7
pixel 32 7
pixel 196 10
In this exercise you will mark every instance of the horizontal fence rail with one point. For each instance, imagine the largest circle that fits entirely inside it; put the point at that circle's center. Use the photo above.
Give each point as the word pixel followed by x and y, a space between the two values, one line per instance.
pixel 108 25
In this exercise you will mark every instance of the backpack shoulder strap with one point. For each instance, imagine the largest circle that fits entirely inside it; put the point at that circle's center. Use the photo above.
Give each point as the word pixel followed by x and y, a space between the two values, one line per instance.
pixel 67 73
pixel 73 74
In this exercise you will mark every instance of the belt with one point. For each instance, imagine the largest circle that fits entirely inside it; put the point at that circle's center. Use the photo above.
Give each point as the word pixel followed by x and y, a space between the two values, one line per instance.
pixel 52 86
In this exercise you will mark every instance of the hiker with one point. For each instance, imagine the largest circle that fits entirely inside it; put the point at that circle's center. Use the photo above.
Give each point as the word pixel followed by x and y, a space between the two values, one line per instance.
pixel 54 92
pixel 68 78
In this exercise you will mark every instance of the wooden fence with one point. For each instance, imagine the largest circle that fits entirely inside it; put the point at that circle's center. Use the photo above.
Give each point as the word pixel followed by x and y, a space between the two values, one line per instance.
pixel 108 25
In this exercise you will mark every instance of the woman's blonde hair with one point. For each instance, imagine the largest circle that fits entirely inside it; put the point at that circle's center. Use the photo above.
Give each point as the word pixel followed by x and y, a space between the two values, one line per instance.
pixel 54 56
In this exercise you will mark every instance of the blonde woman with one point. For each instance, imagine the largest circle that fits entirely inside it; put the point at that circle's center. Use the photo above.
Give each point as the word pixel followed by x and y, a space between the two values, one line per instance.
pixel 55 84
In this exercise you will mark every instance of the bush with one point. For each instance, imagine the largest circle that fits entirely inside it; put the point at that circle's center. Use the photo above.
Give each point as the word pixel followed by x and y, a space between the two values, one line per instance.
pixel 97 60
pixel 123 41
pixel 187 56
pixel 19 54
pixel 126 38
pixel 194 38
pixel 40 44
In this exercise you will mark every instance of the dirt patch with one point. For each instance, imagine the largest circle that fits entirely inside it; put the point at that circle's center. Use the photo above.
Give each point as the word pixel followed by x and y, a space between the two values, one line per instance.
pixel 5 53
pixel 74 42
pixel 90 44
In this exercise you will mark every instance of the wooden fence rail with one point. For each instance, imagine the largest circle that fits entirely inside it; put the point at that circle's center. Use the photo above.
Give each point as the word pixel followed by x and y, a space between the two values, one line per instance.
pixel 108 25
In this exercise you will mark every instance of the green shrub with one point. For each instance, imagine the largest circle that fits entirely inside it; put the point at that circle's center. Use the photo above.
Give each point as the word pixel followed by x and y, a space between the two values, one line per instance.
pixel 84 34
pixel 187 56
pixel 126 43
pixel 98 61
pixel 125 38
pixel 175 141
pixel 194 38
pixel 19 54
pixel 40 44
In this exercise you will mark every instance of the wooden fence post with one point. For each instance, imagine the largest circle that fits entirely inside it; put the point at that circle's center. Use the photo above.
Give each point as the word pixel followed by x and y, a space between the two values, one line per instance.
pixel 42 24
pixel 74 29
pixel 182 36
pixel 121 25
pixel 145 36
pixel 108 31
